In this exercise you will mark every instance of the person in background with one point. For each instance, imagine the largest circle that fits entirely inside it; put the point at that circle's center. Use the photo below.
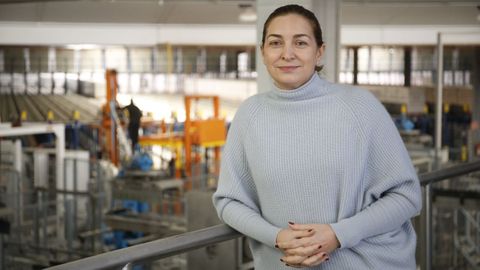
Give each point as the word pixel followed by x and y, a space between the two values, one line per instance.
pixel 315 173
pixel 134 116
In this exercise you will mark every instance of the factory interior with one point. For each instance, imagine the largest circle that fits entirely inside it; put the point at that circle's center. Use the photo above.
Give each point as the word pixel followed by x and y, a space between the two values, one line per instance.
pixel 113 115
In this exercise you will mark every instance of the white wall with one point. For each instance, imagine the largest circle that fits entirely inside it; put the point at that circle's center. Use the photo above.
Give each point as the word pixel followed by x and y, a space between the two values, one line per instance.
pixel 27 33
pixel 408 35
pixel 21 33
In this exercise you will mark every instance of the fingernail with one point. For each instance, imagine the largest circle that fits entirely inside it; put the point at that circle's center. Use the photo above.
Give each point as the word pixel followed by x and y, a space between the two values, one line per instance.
pixel 327 259
pixel 276 246
pixel 310 230
pixel 291 223
pixel 319 247
pixel 287 264
pixel 281 260
pixel 324 254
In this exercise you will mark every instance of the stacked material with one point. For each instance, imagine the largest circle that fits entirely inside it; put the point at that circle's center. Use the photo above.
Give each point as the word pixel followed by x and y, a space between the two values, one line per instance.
pixel 37 108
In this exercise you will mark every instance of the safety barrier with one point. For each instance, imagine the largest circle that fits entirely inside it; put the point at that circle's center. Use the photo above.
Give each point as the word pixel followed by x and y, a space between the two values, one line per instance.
pixel 162 248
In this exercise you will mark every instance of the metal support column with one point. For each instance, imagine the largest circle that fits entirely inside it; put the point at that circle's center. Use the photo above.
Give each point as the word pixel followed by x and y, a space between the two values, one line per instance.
pixel 439 101
pixel 407 68
pixel 428 220
pixel 355 65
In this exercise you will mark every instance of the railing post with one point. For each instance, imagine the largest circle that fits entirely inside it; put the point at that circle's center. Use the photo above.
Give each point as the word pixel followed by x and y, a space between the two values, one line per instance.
pixel 455 237
pixel 128 266
pixel 69 225
pixel 477 243
pixel 36 224
pixel 2 253
pixel 428 220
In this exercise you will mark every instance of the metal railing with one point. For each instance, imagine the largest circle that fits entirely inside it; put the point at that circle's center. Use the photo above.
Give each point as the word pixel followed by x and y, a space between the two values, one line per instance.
pixel 178 244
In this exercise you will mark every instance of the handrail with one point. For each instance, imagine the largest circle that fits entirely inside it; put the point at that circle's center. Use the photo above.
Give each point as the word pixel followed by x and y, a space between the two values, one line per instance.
pixel 446 173
pixel 178 244
pixel 154 250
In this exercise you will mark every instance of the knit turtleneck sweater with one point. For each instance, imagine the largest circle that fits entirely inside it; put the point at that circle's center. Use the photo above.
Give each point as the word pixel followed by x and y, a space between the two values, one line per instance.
pixel 322 153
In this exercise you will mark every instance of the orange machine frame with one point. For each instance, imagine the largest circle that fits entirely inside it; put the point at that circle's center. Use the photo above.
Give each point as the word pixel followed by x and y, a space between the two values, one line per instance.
pixel 209 133
pixel 108 127
pixel 206 133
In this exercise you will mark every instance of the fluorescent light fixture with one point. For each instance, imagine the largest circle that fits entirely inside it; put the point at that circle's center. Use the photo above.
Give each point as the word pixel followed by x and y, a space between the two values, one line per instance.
pixel 82 46
pixel 248 14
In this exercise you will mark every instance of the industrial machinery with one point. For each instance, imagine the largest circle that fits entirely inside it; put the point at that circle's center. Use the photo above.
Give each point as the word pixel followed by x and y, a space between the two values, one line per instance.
pixel 111 131
pixel 197 135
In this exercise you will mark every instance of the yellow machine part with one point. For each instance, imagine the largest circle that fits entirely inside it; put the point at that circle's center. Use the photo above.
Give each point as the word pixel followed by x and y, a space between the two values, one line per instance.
pixel 209 132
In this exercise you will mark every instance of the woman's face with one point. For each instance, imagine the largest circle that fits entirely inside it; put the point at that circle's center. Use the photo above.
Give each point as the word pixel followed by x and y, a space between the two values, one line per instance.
pixel 290 51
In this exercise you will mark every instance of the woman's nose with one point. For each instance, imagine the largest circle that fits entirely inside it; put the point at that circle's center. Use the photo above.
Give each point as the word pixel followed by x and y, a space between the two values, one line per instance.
pixel 287 53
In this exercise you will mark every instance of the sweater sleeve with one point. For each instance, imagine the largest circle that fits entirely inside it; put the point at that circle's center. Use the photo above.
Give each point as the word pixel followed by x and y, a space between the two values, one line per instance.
pixel 391 188
pixel 235 200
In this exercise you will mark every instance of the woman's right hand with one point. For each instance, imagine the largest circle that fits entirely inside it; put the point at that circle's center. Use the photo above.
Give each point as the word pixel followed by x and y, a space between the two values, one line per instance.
pixel 306 245
pixel 287 235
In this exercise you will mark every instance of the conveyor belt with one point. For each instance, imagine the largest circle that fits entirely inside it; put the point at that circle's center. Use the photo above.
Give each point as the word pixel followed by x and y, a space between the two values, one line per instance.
pixel 79 103
pixel 25 104
pixel 7 108
pixel 37 107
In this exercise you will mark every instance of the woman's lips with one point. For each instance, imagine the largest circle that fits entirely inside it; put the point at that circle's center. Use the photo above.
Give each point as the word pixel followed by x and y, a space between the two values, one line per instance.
pixel 287 68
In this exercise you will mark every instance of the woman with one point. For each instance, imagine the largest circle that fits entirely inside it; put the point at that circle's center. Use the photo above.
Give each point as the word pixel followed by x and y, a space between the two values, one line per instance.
pixel 315 173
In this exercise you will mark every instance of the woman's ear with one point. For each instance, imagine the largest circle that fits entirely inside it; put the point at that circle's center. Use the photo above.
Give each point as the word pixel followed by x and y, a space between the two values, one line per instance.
pixel 318 64
pixel 320 51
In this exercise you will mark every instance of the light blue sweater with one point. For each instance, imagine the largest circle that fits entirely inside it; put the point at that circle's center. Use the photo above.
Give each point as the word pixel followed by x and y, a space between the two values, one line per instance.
pixel 322 153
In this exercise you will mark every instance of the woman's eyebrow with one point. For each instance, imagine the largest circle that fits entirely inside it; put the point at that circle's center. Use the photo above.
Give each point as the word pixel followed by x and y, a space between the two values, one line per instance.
pixel 301 35
pixel 274 35
pixel 295 36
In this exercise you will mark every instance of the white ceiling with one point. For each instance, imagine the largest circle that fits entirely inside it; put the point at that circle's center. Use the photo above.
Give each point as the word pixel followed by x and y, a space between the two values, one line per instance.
pixel 354 12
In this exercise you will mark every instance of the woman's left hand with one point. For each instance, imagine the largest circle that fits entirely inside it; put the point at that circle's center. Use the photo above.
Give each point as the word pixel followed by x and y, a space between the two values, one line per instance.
pixel 315 248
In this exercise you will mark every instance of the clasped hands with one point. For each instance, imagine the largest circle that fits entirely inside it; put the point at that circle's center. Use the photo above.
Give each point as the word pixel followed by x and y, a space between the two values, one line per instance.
pixel 306 245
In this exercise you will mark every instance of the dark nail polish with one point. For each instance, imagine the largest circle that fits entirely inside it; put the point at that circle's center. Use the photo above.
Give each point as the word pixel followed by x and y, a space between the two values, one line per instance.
pixel 319 247
pixel 327 259
pixel 276 246
pixel 310 230
pixel 287 264
pixel 291 223
pixel 281 260
pixel 324 254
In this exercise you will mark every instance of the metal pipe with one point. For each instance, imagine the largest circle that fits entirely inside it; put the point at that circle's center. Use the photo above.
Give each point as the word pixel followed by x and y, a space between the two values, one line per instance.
pixel 44 201
pixel 128 266
pixel 443 174
pixel 439 101
pixel 477 244
pixel 19 213
pixel 69 225
pixel 36 223
pixel 2 253
pixel 96 217
pixel 75 198
pixel 154 250
pixel 455 237
pixel 428 221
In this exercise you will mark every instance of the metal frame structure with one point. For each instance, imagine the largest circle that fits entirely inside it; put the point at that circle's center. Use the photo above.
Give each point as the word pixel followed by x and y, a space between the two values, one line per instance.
pixel 188 128
pixel 6 130
pixel 178 244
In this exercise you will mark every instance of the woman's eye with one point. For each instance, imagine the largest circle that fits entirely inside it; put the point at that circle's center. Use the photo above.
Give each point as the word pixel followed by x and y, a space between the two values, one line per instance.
pixel 301 43
pixel 274 43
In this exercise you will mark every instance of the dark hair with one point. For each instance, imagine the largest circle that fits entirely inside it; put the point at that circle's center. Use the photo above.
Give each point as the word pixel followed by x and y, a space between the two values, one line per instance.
pixel 299 10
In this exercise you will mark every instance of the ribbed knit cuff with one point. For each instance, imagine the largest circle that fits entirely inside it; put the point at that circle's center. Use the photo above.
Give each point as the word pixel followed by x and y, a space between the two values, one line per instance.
pixel 347 235
pixel 251 224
